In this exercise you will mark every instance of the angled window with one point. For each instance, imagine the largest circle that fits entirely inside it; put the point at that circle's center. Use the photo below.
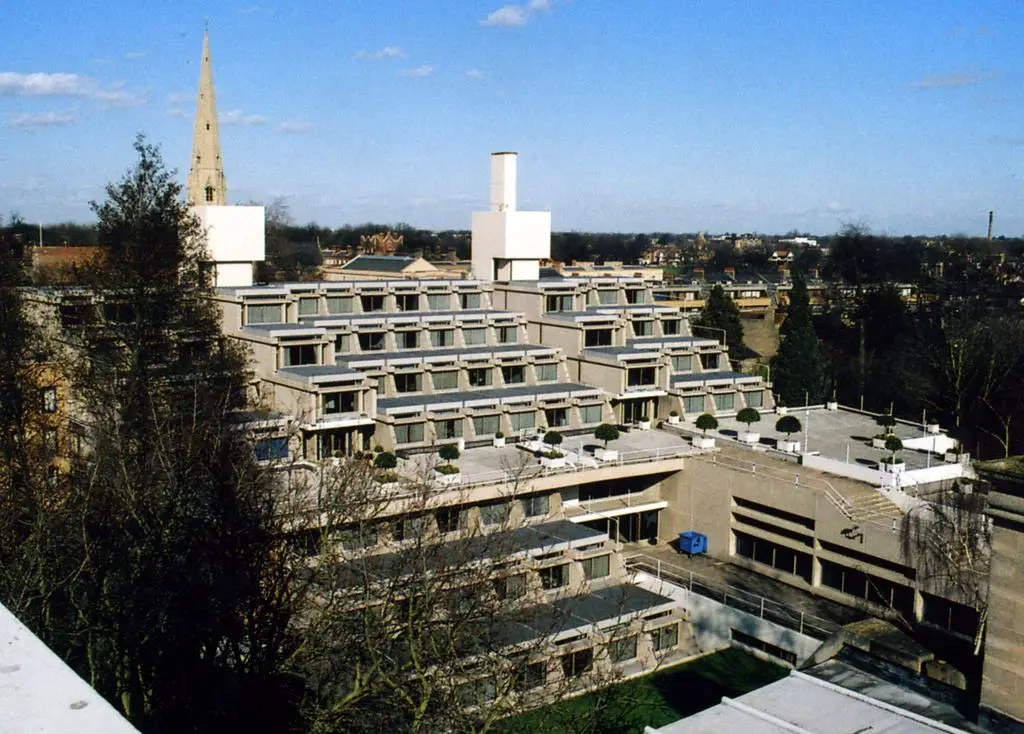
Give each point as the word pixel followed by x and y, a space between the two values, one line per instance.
pixel 48 396
pixel 513 374
pixel 546 372
pixel 480 377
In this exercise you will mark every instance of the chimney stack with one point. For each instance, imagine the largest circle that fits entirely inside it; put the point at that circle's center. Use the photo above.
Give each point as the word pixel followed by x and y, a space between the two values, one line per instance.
pixel 990 214
pixel 503 182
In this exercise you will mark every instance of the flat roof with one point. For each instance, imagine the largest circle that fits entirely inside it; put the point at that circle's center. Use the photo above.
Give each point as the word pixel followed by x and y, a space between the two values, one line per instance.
pixel 495 395
pixel 459 354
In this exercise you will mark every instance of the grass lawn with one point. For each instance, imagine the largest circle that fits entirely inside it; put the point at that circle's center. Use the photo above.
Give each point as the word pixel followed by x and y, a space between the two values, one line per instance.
pixel 652 700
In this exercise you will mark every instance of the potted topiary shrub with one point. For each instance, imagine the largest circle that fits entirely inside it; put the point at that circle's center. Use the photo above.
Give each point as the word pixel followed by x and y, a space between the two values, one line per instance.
pixel 336 457
pixel 644 424
pixel 552 458
pixel 448 473
pixel 705 422
pixel 385 460
pixel 788 424
pixel 780 406
pixel 886 421
pixel 606 432
pixel 673 417
pixel 499 440
pixel 832 404
pixel 893 463
pixel 749 416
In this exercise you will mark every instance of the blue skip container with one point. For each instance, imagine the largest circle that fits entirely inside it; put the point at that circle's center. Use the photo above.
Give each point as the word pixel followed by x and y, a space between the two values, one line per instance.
pixel 693 543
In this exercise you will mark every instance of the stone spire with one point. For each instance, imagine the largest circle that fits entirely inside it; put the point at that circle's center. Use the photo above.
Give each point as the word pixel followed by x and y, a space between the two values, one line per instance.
pixel 206 182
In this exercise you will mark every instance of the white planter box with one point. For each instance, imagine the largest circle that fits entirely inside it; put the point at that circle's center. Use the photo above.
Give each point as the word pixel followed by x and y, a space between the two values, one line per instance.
pixel 673 420
pixel 878 443
pixel 792 447
pixel 607 454
pixel 750 437
pixel 781 410
pixel 933 428
pixel 446 479
pixel 893 468
pixel 703 442
pixel 499 442
pixel 644 425
pixel 552 463
pixel 832 405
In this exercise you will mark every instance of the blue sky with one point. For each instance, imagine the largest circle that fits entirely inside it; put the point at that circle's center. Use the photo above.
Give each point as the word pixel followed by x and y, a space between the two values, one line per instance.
pixel 645 115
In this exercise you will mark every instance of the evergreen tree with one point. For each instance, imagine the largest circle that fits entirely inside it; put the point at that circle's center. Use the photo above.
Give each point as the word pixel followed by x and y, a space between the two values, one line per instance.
pixel 798 370
pixel 721 312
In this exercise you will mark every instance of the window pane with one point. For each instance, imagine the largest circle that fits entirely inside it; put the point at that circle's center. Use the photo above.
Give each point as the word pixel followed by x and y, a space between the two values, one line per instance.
pixel 409 433
pixel 263 314
pixel 598 338
pixel 670 328
pixel 536 505
pixel 522 421
pixel 309 306
pixel 439 301
pixel 554 577
pixel 372 303
pixel 480 377
pixel 408 382
pixel 547 372
pixel 622 650
pixel 371 341
pixel 507 335
pixel 442 338
pixel 407 301
pixel 407 339
pixel 474 336
pixel 682 363
pixel 448 429
pixel 693 404
pixel 643 328
pixel 494 513
pixel 513 375
pixel 339 304
pixel 269 449
pixel 470 300
pixel 725 401
pixel 595 568
pixel 607 298
pixel 486 425
pixel 557 417
pixel 590 414
pixel 49 399
pixel 446 380
pixel 754 398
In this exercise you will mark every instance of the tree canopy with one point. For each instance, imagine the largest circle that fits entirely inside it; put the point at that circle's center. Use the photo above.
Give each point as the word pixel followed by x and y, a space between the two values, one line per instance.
pixel 721 313
pixel 798 371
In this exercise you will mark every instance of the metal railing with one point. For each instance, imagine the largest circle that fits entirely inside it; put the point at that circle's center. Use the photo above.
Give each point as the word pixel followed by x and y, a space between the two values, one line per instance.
pixel 744 601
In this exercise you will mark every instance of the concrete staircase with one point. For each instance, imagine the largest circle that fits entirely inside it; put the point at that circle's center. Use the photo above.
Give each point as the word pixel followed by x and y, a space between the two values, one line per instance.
pixel 872 505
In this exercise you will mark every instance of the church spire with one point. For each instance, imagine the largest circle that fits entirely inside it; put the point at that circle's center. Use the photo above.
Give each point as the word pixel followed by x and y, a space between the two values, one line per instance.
pixel 206 183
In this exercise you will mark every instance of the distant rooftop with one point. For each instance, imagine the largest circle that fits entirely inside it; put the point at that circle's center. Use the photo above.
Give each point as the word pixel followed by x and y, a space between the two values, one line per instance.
pixel 379 263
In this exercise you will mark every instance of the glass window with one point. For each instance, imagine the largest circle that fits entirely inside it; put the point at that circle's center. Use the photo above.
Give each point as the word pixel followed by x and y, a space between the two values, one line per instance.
pixel 556 304
pixel 358 538
pixel 725 401
pixel 448 429
pixel 608 297
pixel 407 339
pixel 268 449
pixel 557 417
pixel 480 376
pixel 372 304
pixel 665 638
pixel 442 337
pixel 409 433
pixel 546 372
pixel 535 505
pixel 634 295
pixel 264 313
pixel 643 328
pixel 309 306
pixel 48 398
pixel 446 380
pixel 622 650
pixel 50 441
pixel 410 527
pixel 439 301
pixel 371 341
pixel 693 404
pixel 577 663
pixel 590 414
pixel 508 334
pixel 522 421
pixel 709 361
pixel 511 587
pixel 486 425
pixel 513 374
pixel 299 355
pixel 494 513
pixel 554 577
pixel 754 398
pixel 339 402
pixel 339 304
pixel 597 338
pixel 469 300
pixel 683 363
pixel 639 376
pixel 595 568
pixel 448 519
pixel 474 337
pixel 407 301
pixel 670 327
pixel 408 382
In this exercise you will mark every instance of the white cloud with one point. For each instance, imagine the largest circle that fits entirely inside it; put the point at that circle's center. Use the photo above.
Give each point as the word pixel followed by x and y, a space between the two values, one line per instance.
pixel 115 95
pixel 250 10
pixel 951 81
pixel 237 117
pixel 387 52
pixel 174 98
pixel 294 126
pixel 135 55
pixel 34 122
pixel 38 84
pixel 474 74
pixel 537 6
pixel 515 16
pixel 419 71
pixel 175 112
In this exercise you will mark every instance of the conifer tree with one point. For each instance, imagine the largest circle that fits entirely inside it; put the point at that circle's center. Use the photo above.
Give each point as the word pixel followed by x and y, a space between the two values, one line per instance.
pixel 721 312
pixel 798 370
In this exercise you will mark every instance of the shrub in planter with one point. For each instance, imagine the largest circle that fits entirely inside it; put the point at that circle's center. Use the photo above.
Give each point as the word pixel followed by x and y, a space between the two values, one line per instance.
pixel 552 438
pixel 886 421
pixel 449 452
pixel 447 469
pixel 499 434
pixel 387 477
pixel 748 416
pixel 606 432
pixel 378 449
pixel 788 424
pixel 706 422
pixel 552 454
pixel 385 460
pixel 673 414
pixel 893 445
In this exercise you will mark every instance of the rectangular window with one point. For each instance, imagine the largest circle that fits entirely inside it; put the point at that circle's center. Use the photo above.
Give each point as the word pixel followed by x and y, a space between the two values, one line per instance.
pixel 299 355
pixel 448 429
pixel 480 376
pixel 469 300
pixel 511 587
pixel 474 337
pixel 536 505
pixel 341 344
pixel 446 380
pixel 643 328
pixel 372 304
pixel 408 382
pixel 725 401
pixel 494 513
pixel 409 433
pixel 49 441
pixel 339 402
pixel 439 301
pixel 709 361
pixel 269 449
pixel 264 313
pixel 371 341
pixel 557 304
pixel 670 327
pixel 682 363
pixel 486 425
pixel 508 334
pixel 665 638
pixel 48 398
pixel 608 297
pixel 590 414
pixel 546 372
pixel 634 295
pixel 622 650
pixel 596 568
pixel 522 421
pixel 410 527
pixel 557 417
pixel 309 306
pixel 597 338
pixel 442 338
pixel 640 376
pixel 407 339
pixel 554 577
pixel 339 304
pixel 407 302
pixel 448 519
pixel 576 664
pixel 513 374
pixel 693 404
pixel 358 538
pixel 754 398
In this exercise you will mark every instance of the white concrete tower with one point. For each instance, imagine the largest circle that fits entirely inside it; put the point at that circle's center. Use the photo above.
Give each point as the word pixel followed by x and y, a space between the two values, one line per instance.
pixel 508 244
pixel 206 182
